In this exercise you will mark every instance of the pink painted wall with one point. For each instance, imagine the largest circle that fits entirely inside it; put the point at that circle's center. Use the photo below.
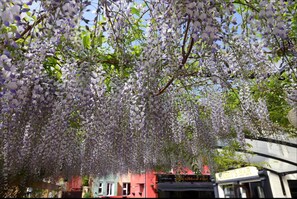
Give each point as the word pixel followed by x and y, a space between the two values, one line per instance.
pixel 205 170
pixel 148 180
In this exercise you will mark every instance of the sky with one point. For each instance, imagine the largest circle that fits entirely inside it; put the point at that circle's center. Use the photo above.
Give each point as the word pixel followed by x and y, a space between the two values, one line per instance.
pixel 90 15
pixel 92 11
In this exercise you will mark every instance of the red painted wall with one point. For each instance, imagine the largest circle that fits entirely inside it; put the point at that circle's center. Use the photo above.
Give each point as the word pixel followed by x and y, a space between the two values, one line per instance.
pixel 74 184
pixel 184 170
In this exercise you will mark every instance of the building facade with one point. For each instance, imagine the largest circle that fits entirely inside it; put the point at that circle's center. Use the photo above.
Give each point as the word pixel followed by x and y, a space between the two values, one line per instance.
pixel 106 186
pixel 249 182
pixel 151 184
pixel 185 184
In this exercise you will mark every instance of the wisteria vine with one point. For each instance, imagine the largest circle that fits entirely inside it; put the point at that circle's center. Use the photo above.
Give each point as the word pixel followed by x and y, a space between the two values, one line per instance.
pixel 118 91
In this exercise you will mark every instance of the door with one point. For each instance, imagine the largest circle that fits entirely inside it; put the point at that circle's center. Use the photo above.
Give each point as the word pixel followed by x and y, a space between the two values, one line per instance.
pixel 242 191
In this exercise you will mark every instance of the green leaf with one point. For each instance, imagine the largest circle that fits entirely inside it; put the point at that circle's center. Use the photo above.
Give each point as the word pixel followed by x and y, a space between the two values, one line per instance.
pixel 87 41
pixel 25 6
pixel 135 11
pixel 101 39
pixel 13 27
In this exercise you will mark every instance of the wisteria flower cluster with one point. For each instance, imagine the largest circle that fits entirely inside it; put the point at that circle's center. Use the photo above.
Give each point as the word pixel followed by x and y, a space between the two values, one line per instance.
pixel 145 85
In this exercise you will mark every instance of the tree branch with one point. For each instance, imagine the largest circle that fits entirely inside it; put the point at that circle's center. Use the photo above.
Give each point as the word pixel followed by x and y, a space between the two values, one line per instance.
pixel 111 24
pixel 184 61
pixel 185 37
pixel 96 25
pixel 30 27
pixel 246 4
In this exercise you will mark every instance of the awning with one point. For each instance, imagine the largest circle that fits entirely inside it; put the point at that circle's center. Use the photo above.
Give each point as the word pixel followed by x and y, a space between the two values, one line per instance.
pixel 280 154
pixel 185 186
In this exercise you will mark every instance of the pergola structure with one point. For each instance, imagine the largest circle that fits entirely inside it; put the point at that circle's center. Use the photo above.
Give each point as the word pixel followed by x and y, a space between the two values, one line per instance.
pixel 280 156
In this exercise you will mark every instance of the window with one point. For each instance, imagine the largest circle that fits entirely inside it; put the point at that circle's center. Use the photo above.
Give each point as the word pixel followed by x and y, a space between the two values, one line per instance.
pixel 141 188
pixel 100 188
pixel 260 192
pixel 256 189
pixel 109 189
pixel 293 187
pixel 229 191
pixel 242 190
pixel 126 189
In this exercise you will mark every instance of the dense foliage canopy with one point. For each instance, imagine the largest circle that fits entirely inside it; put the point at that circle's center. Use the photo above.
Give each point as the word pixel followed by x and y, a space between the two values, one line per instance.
pixel 105 86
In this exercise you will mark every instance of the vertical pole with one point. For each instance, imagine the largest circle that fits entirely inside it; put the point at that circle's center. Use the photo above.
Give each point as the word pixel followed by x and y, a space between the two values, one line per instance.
pixel 215 187
pixel 282 184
